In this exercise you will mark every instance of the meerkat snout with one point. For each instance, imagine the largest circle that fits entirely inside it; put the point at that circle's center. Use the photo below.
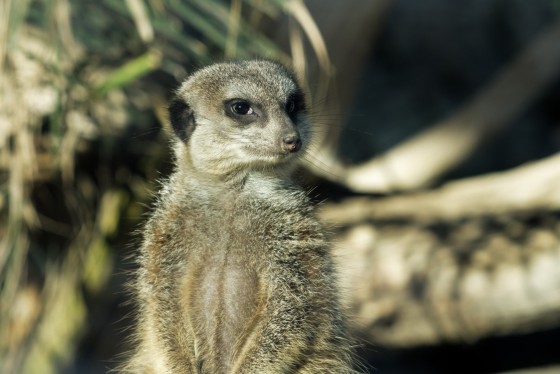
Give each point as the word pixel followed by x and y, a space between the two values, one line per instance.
pixel 291 142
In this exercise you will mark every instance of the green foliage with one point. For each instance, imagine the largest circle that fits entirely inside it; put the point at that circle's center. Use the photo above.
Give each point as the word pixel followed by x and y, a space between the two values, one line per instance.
pixel 129 72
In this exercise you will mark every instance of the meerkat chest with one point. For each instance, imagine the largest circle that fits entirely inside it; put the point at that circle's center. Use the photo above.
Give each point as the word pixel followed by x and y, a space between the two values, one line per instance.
pixel 224 287
pixel 224 297
pixel 229 277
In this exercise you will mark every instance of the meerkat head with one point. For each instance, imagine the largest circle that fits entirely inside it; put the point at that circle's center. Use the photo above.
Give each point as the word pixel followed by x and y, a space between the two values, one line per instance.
pixel 239 116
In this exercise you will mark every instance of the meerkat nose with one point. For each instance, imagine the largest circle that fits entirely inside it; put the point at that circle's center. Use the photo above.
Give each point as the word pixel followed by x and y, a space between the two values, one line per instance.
pixel 291 142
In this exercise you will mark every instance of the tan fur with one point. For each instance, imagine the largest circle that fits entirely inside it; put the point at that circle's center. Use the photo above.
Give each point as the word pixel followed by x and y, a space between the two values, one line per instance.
pixel 235 273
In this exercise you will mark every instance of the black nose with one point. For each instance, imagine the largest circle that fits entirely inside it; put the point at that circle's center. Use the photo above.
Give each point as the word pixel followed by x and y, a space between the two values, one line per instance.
pixel 291 142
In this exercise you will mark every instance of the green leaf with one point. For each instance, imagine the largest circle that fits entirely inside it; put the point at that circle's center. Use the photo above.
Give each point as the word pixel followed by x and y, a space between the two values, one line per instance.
pixel 129 72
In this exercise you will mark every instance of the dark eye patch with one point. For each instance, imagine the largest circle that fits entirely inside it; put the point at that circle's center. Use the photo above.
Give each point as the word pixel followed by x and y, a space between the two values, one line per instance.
pixel 181 118
pixel 295 104
pixel 290 106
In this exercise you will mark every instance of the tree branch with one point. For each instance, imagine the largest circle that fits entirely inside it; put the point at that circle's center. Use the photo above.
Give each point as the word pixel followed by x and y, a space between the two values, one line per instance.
pixel 422 159
pixel 409 284
pixel 530 187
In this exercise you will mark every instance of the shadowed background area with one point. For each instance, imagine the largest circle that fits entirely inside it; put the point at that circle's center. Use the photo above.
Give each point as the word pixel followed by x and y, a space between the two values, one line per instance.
pixel 437 125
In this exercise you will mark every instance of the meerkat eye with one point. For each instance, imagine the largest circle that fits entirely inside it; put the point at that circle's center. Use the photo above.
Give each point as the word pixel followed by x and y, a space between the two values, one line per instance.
pixel 290 106
pixel 242 108
pixel 295 104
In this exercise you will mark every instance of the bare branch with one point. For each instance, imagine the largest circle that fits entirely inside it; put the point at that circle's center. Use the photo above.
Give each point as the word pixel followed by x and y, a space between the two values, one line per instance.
pixel 409 284
pixel 472 259
pixel 530 187
pixel 422 159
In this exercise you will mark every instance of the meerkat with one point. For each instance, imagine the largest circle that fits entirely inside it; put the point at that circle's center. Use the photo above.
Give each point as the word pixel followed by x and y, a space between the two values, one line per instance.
pixel 235 274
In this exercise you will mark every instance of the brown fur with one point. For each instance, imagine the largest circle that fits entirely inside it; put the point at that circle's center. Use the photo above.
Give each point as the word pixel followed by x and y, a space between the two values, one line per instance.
pixel 235 274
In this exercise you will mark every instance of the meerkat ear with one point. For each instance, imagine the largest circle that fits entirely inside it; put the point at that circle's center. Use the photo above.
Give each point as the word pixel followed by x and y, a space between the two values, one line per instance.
pixel 182 118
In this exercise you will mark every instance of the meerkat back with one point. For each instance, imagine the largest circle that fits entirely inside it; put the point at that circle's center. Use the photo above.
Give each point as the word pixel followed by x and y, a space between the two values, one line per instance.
pixel 235 275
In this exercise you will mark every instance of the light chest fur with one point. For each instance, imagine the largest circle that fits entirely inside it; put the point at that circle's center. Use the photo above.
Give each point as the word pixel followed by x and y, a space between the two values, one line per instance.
pixel 240 252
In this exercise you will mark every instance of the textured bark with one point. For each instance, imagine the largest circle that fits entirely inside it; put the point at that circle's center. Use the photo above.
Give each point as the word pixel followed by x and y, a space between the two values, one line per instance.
pixel 410 284
pixel 416 271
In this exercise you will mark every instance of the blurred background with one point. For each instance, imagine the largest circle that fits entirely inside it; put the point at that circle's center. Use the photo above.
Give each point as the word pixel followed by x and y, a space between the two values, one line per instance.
pixel 437 127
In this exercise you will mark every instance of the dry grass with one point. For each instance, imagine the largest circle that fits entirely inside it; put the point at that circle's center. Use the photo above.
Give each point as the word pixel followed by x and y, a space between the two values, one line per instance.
pixel 72 86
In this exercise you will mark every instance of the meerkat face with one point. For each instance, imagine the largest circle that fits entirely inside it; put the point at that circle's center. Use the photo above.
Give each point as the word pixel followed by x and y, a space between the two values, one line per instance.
pixel 240 115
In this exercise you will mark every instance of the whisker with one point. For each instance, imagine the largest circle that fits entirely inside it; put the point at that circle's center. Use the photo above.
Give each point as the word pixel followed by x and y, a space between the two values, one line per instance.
pixel 148 131
pixel 310 156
